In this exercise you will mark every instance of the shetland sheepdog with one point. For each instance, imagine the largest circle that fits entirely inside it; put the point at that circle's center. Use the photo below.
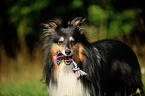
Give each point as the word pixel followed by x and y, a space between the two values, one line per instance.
pixel 75 67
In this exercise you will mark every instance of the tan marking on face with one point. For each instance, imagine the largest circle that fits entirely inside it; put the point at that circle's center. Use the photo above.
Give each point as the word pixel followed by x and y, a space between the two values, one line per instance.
pixel 53 50
pixel 71 39
pixel 61 39
pixel 78 54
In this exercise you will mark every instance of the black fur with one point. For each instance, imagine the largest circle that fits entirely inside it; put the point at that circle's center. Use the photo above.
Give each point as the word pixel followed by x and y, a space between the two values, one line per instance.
pixel 120 70
pixel 111 66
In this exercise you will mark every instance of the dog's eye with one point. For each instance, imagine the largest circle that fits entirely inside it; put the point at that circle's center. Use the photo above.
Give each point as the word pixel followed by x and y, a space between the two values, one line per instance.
pixel 60 42
pixel 72 42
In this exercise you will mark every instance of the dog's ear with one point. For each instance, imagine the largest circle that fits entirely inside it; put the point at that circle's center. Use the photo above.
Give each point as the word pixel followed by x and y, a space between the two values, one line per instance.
pixel 77 21
pixel 51 27
pixel 54 24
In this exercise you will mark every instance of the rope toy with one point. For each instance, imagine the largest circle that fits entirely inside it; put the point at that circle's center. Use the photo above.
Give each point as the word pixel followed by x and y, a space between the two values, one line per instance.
pixel 59 57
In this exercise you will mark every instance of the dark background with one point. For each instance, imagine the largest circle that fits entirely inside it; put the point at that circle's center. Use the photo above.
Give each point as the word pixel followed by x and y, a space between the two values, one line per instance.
pixel 20 20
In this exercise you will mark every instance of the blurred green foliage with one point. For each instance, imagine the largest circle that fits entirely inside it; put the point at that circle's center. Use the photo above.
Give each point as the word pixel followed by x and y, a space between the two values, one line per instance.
pixel 26 16
pixel 115 23
pixel 122 23
pixel 23 14
pixel 20 20
pixel 96 14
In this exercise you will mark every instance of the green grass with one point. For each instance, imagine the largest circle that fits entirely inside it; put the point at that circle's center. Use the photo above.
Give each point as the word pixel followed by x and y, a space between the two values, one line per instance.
pixel 21 76
pixel 24 89
pixel 29 87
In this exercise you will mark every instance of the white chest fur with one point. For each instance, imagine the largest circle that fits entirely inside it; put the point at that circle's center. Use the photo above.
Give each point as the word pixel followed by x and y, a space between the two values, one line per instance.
pixel 67 83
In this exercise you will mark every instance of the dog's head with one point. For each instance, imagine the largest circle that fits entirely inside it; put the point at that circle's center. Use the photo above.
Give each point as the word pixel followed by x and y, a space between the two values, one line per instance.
pixel 68 41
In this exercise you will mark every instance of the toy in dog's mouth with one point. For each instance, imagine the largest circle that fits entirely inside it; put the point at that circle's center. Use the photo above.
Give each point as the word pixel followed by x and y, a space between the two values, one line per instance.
pixel 59 57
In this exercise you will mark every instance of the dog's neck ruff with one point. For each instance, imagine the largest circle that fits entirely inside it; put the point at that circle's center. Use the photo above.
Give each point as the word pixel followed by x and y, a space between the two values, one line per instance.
pixel 66 83
pixel 59 57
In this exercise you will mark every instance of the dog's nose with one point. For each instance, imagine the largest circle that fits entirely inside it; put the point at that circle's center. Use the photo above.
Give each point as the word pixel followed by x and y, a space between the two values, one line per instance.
pixel 67 51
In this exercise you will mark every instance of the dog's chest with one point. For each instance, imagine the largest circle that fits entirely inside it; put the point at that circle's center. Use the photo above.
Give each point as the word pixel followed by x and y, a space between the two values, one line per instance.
pixel 67 83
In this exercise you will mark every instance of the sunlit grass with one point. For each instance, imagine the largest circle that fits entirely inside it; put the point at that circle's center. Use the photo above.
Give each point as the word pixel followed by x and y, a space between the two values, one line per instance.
pixel 21 76
pixel 24 89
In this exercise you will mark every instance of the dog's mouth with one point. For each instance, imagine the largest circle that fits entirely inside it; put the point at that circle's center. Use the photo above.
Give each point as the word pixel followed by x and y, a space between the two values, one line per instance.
pixel 59 57
pixel 67 60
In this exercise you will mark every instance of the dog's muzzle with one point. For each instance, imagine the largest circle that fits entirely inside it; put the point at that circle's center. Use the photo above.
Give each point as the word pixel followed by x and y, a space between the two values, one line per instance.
pixel 67 56
pixel 67 51
pixel 59 57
